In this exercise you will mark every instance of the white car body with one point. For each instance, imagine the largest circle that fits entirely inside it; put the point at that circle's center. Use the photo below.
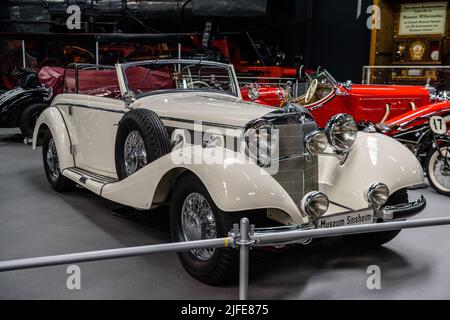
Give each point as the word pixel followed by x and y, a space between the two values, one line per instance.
pixel 84 128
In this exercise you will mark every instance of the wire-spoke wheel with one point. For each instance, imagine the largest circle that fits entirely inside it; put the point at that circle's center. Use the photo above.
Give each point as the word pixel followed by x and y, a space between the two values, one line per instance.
pixel 198 223
pixel 52 159
pixel 194 216
pixel 135 153
pixel 52 165
pixel 438 169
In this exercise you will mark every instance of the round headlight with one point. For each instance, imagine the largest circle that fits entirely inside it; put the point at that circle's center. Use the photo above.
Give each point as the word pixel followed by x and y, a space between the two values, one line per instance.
pixel 378 194
pixel 258 141
pixel 342 131
pixel 316 142
pixel 315 204
pixel 253 92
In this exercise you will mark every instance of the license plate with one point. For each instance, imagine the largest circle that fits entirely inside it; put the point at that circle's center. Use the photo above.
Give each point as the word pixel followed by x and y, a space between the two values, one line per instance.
pixel 346 219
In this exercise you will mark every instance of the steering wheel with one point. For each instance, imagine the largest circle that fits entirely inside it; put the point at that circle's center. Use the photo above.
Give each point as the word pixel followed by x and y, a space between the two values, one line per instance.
pixel 311 91
pixel 203 83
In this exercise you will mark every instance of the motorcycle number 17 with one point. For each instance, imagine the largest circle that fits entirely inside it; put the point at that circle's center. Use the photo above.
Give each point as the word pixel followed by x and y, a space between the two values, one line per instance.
pixel 438 125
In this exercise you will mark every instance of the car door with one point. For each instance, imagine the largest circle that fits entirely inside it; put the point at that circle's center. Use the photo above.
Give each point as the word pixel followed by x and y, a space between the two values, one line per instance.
pixel 92 108
pixel 93 122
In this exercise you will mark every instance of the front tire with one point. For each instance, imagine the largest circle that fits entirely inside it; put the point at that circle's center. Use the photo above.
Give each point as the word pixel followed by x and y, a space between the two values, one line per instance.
pixel 51 165
pixel 438 169
pixel 28 117
pixel 194 216
pixel 376 239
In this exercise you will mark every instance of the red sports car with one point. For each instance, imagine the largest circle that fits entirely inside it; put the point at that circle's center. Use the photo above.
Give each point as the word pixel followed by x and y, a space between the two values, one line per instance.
pixel 325 97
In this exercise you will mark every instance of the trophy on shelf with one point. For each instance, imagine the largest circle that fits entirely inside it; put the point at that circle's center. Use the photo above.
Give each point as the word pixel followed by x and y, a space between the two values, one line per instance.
pixel 417 50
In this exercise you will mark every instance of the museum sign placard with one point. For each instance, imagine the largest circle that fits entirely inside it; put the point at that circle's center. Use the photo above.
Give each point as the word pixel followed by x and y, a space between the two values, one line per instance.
pixel 423 18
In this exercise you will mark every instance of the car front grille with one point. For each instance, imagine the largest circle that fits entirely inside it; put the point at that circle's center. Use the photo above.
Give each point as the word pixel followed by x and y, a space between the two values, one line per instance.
pixel 295 174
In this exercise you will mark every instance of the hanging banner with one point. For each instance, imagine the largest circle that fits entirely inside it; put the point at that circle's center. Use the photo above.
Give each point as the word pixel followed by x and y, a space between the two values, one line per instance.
pixel 423 18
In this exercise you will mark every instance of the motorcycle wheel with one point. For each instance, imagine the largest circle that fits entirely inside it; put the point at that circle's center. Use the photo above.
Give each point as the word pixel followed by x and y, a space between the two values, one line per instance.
pixel 438 169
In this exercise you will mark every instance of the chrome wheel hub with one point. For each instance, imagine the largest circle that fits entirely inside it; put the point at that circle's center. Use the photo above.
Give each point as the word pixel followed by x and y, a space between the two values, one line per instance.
pixel 135 154
pixel 198 223
pixel 52 159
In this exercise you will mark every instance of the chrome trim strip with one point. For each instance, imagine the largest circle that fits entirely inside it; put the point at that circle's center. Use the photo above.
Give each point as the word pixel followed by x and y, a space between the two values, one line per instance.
pixel 91 174
pixel 211 124
pixel 89 107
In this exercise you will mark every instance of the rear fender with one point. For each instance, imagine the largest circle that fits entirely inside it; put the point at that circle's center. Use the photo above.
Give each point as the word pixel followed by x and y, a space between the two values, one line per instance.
pixel 13 102
pixel 51 119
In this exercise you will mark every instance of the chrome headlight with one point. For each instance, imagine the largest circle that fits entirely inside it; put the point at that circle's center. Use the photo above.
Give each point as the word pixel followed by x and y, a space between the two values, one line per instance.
pixel 258 141
pixel 378 194
pixel 253 92
pixel 341 131
pixel 315 204
pixel 316 142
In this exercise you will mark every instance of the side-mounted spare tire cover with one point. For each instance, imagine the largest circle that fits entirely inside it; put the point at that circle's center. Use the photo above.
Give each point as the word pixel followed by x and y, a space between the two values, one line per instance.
pixel 141 139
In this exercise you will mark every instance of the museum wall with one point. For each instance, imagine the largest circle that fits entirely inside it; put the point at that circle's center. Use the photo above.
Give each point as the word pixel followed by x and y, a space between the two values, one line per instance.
pixel 309 32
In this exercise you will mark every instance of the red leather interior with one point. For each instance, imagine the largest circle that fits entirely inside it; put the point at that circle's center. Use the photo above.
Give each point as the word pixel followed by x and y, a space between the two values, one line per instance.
pixel 104 83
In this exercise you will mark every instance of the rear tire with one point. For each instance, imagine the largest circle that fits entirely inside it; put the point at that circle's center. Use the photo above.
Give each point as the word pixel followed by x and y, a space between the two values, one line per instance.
pixel 51 166
pixel 436 182
pixel 209 267
pixel 376 239
pixel 28 118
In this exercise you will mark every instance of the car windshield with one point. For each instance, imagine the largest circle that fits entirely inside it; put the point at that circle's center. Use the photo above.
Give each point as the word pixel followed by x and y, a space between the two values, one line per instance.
pixel 325 76
pixel 161 76
pixel 321 85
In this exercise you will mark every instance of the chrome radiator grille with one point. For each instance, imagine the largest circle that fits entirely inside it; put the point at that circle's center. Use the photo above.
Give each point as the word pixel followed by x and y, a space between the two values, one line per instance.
pixel 296 175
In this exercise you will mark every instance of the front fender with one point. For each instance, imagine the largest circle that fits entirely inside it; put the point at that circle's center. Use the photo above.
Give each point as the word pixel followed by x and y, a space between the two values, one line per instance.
pixel 374 158
pixel 52 119
pixel 234 184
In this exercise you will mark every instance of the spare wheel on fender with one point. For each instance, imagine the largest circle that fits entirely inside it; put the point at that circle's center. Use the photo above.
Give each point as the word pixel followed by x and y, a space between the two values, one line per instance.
pixel 141 139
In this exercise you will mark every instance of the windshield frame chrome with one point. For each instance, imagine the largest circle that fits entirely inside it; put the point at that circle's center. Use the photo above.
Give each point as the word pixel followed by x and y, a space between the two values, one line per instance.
pixel 232 75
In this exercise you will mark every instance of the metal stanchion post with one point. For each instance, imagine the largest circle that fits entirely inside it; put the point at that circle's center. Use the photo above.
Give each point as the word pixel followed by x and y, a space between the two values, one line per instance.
pixel 243 258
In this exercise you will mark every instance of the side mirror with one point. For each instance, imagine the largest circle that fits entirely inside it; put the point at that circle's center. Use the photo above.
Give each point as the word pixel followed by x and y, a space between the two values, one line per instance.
pixel 129 97
pixel 348 84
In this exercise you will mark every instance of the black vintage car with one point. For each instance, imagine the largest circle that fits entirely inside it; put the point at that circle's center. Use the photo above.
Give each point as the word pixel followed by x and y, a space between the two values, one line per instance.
pixel 21 106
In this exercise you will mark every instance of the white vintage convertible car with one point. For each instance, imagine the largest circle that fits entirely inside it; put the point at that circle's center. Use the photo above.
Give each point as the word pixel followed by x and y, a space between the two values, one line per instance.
pixel 177 133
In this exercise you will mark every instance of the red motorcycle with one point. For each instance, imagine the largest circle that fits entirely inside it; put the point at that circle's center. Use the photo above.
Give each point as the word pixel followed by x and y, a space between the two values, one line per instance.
pixel 424 132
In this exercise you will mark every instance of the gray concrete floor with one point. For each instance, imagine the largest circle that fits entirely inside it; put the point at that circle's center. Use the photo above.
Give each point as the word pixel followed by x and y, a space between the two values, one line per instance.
pixel 36 221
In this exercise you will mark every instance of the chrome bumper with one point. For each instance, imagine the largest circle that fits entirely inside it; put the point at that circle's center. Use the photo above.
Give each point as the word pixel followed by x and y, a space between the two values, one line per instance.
pixel 388 213
pixel 403 211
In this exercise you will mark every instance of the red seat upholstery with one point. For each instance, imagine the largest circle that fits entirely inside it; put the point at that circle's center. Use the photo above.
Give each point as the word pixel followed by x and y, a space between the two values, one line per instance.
pixel 104 83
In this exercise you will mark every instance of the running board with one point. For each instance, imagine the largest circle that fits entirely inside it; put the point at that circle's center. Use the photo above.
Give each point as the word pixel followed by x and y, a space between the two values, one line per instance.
pixel 87 179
